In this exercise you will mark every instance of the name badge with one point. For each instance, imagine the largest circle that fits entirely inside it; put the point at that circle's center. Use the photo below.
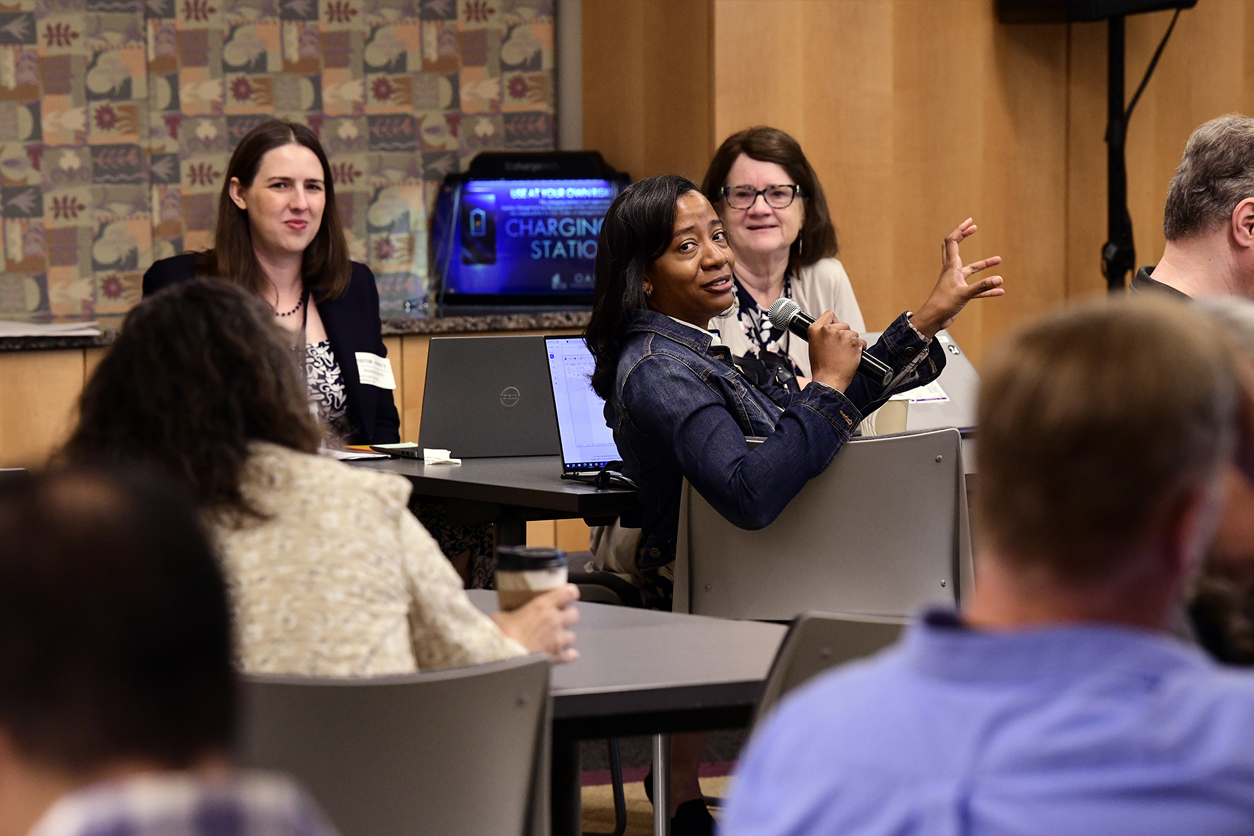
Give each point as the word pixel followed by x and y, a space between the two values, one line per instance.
pixel 374 370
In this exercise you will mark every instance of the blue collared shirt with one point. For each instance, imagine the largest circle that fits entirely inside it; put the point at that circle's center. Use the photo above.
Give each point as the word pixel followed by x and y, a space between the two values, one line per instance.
pixel 1090 729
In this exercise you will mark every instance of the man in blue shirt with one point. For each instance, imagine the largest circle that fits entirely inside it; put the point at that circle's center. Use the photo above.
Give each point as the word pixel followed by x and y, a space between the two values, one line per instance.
pixel 1056 702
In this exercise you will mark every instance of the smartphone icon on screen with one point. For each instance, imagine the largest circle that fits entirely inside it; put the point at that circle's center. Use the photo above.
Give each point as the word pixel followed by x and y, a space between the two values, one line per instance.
pixel 478 228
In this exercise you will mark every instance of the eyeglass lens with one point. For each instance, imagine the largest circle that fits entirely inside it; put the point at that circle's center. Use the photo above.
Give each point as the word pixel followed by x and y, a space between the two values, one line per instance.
pixel 777 197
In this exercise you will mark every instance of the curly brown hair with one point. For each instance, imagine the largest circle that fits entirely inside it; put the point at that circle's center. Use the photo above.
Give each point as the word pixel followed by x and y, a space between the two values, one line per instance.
pixel 197 373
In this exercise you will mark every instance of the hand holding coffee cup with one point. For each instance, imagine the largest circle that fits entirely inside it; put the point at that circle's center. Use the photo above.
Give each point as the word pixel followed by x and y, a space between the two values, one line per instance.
pixel 522 573
pixel 536 602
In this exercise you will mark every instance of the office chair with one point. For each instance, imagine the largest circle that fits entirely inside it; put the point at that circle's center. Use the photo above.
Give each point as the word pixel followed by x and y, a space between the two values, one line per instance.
pixel 455 751
pixel 818 641
pixel 882 531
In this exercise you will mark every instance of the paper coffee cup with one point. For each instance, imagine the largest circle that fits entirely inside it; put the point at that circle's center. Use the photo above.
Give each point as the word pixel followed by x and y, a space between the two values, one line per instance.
pixel 891 417
pixel 522 573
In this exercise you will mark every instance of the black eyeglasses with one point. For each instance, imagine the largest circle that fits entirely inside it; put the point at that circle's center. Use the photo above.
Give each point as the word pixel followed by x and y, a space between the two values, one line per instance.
pixel 777 197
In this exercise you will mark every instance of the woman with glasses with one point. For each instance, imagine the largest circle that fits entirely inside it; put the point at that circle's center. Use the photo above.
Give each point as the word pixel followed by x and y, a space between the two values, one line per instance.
pixel 680 410
pixel 778 225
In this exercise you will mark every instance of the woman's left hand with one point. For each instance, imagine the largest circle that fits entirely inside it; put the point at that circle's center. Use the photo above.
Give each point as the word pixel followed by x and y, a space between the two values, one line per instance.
pixel 952 292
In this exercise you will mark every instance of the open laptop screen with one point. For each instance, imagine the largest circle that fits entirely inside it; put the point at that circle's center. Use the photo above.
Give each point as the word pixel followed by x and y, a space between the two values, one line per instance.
pixel 587 442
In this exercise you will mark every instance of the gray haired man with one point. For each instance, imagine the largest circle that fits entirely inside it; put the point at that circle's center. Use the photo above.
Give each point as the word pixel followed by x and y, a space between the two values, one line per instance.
pixel 1209 216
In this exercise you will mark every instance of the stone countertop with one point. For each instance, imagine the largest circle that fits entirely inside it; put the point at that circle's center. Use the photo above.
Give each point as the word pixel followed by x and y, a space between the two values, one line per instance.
pixel 534 321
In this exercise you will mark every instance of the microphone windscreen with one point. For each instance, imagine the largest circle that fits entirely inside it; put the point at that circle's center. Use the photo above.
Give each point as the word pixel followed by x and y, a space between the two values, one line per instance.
pixel 782 311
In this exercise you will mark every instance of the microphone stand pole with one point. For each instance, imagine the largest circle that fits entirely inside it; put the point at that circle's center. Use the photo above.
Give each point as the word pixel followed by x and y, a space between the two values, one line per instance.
pixel 1119 252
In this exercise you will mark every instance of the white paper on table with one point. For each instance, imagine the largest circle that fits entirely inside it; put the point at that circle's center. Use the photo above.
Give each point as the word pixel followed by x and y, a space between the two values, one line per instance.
pixel 434 455
pixel 931 393
pixel 9 328
pixel 349 455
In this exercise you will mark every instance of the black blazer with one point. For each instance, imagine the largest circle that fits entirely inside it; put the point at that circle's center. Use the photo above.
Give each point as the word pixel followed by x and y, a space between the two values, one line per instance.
pixel 352 323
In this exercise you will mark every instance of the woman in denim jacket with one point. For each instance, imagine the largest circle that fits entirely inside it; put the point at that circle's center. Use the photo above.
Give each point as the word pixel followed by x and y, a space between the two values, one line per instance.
pixel 677 404
pixel 679 407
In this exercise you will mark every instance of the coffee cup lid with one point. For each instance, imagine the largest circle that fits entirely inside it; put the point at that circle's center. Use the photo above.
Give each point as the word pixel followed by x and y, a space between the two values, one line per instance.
pixel 529 558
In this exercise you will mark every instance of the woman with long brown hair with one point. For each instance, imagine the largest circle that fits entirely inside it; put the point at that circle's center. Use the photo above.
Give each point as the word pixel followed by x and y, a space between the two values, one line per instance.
pixel 330 574
pixel 279 235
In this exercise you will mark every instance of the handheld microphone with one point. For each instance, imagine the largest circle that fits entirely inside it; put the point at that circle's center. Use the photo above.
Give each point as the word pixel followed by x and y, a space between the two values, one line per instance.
pixel 785 313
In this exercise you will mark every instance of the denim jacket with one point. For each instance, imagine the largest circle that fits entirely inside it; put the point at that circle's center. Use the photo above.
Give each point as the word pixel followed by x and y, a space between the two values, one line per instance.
pixel 681 409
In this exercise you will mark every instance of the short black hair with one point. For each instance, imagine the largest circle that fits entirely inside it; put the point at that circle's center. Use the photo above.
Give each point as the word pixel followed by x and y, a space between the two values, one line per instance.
pixel 115 636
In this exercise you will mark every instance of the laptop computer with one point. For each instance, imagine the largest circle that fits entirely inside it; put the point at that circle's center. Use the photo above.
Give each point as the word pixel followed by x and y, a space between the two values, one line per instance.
pixel 586 440
pixel 487 397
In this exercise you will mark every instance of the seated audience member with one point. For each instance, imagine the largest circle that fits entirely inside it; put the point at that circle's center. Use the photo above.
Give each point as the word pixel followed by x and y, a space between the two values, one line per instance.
pixel 329 572
pixel 680 409
pixel 117 696
pixel 279 235
pixel 1221 604
pixel 1209 216
pixel 778 225
pixel 1209 225
pixel 1056 702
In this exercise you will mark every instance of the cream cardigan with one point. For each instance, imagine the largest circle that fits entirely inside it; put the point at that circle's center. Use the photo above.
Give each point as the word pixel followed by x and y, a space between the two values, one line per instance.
pixel 342 580
pixel 823 286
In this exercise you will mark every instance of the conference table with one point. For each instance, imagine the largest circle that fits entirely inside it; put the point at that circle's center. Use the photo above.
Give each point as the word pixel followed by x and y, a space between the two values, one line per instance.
pixel 510 491
pixel 644 672
pixel 640 672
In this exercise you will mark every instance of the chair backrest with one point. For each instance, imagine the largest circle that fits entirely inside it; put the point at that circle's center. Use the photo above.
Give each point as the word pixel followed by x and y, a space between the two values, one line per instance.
pixel 817 641
pixel 883 531
pixel 447 752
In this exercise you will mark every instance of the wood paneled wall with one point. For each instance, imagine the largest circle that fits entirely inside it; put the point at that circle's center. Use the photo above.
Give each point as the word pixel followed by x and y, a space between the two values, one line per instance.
pixel 38 397
pixel 1206 70
pixel 917 114
pixel 39 393
pixel 646 84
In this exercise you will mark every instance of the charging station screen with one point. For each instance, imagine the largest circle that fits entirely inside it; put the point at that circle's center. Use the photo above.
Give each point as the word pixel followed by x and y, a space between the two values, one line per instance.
pixel 528 237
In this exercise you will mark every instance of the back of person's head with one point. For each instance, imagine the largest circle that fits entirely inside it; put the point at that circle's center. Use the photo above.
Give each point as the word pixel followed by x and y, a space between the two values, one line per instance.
pixel 197 372
pixel 115 639
pixel 325 266
pixel 637 228
pixel 1215 174
pixel 1222 595
pixel 1094 423
pixel 817 238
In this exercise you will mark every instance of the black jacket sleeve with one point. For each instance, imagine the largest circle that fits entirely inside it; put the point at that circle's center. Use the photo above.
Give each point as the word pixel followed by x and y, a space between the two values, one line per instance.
pixel 353 324
pixel 169 272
